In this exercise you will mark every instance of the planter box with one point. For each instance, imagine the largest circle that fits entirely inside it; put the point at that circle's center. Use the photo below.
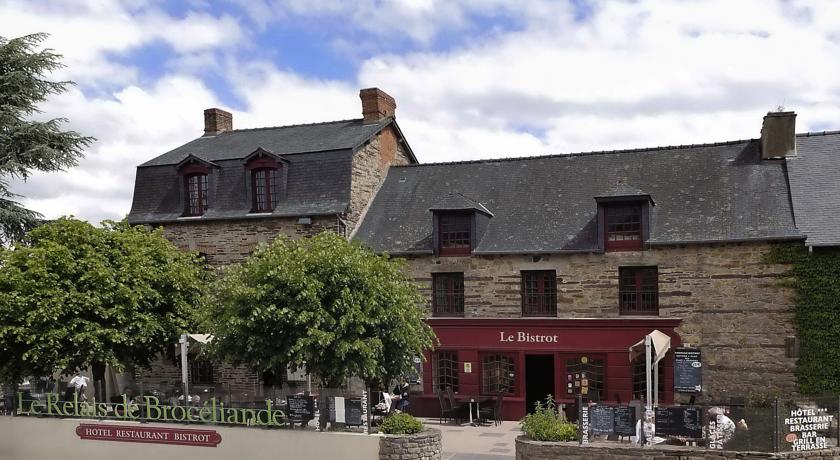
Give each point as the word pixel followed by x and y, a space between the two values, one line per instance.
pixel 421 446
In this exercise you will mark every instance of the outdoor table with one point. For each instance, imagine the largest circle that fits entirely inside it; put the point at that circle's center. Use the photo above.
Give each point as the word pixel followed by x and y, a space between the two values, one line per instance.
pixel 477 401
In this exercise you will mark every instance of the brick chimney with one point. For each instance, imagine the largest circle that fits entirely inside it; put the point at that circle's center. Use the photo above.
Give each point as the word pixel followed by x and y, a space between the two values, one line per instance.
pixel 778 135
pixel 376 104
pixel 217 121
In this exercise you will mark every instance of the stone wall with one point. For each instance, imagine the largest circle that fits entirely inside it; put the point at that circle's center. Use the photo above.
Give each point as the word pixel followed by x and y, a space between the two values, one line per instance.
pixel 425 445
pixel 228 241
pixel 730 301
pixel 231 383
pixel 535 450
pixel 370 165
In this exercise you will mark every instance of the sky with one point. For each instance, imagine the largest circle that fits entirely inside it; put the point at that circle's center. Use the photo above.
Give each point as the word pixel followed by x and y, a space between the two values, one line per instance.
pixel 472 78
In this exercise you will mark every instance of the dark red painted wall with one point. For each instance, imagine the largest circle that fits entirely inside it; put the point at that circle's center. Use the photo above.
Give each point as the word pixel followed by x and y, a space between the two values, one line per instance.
pixel 607 339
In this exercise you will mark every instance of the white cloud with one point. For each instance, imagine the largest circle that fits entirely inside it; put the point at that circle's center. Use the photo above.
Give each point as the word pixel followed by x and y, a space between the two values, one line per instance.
pixel 89 33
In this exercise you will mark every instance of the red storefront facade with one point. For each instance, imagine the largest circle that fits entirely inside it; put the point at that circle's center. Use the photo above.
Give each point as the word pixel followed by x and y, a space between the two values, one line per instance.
pixel 537 356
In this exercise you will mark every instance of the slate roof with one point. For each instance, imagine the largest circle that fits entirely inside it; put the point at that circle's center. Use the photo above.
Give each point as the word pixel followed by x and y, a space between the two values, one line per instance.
pixel 316 184
pixel 814 175
pixel 317 171
pixel 702 193
pixel 459 202
pixel 280 140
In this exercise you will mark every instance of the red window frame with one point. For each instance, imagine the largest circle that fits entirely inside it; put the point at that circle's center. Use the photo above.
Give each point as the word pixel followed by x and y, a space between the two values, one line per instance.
pixel 575 371
pixel 512 388
pixel 195 196
pixel 539 293
pixel 638 291
pixel 448 294
pixel 263 189
pixel 454 234
pixel 445 368
pixel 623 227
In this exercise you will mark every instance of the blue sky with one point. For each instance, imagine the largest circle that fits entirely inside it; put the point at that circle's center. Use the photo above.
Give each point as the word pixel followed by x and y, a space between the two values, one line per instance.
pixel 472 78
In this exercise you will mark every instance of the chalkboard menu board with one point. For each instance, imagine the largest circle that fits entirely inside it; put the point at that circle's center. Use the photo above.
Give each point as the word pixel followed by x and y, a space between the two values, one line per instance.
pixel 353 412
pixel 679 421
pixel 300 408
pixel 601 419
pixel 687 370
pixel 625 421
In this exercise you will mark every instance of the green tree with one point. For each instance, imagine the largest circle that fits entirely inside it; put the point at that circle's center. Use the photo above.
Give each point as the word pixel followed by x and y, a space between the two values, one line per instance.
pixel 27 145
pixel 73 295
pixel 335 305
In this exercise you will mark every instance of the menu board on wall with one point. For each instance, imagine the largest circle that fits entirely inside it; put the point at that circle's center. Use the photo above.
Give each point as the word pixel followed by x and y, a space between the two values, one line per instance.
pixel 688 370
pixel 679 421
pixel 625 421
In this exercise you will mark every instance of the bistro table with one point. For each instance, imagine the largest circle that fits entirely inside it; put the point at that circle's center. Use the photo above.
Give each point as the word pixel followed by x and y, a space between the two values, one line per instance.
pixel 477 400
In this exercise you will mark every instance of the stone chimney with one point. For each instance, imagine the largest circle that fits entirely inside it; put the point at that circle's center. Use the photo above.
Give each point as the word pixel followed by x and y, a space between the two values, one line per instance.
pixel 778 135
pixel 376 104
pixel 217 121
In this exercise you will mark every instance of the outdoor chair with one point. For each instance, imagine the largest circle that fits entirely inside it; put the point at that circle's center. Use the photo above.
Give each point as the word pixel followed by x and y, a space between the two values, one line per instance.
pixel 446 412
pixel 493 411
pixel 460 410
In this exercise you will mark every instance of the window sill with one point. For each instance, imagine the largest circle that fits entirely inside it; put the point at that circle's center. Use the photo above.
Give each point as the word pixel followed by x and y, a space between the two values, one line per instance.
pixel 190 217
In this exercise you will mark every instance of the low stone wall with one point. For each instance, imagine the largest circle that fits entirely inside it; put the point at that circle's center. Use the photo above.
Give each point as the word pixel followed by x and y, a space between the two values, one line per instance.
pixel 421 446
pixel 535 450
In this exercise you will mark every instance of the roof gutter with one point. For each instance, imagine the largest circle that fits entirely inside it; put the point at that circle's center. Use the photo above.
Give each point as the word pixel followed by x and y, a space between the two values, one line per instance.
pixel 736 240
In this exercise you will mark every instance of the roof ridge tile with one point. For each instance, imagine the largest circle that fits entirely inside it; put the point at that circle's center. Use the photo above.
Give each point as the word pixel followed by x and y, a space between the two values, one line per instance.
pixel 609 152
pixel 292 126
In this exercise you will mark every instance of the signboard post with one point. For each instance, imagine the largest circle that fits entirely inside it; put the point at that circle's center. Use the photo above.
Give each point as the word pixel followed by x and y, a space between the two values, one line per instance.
pixel 688 370
pixel 583 421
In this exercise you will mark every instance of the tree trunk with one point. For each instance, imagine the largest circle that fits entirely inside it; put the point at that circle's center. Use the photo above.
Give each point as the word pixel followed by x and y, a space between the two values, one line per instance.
pixel 98 371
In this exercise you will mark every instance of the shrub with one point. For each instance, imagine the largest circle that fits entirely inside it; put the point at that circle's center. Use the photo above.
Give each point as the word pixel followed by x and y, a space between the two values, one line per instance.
pixel 545 424
pixel 401 423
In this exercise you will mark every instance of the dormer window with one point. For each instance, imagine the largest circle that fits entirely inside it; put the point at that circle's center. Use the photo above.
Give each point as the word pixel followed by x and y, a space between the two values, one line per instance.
pixel 196 194
pixel 196 197
pixel 454 234
pixel 623 218
pixel 623 227
pixel 459 223
pixel 264 185
pixel 264 169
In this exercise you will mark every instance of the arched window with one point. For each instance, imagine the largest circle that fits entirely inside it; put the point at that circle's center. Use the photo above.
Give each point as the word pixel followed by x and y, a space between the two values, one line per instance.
pixel 264 186
pixel 196 194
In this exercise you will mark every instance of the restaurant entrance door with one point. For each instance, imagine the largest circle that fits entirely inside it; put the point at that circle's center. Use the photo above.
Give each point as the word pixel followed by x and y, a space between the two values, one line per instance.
pixel 539 379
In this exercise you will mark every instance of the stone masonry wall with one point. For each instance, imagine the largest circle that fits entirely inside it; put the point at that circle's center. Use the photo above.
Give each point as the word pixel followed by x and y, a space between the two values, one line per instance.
pixel 370 165
pixel 230 241
pixel 535 450
pixel 730 301
pixel 425 445
pixel 232 383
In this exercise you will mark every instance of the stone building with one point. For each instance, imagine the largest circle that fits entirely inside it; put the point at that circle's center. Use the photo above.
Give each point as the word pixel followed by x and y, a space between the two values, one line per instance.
pixel 540 272
pixel 231 189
